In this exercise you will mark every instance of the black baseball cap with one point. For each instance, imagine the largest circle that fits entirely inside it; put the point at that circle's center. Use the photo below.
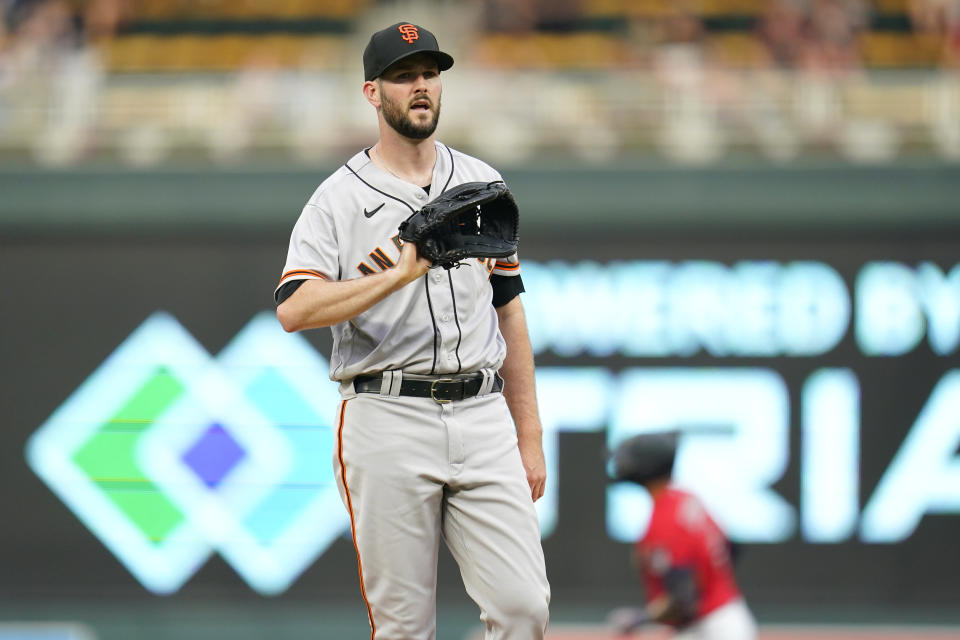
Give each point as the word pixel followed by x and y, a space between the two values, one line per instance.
pixel 395 43
pixel 645 457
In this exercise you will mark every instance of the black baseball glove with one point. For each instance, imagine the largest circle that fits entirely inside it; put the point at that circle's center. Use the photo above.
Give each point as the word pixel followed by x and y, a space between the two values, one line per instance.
pixel 472 220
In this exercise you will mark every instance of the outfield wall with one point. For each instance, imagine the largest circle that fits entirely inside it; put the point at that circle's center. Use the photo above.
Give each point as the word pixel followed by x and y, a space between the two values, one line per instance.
pixel 805 322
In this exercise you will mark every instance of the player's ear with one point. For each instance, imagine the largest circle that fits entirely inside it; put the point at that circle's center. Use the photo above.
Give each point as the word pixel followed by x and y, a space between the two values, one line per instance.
pixel 371 91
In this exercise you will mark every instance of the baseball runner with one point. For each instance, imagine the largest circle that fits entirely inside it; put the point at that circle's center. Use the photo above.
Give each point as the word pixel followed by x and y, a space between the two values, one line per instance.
pixel 438 434
pixel 684 558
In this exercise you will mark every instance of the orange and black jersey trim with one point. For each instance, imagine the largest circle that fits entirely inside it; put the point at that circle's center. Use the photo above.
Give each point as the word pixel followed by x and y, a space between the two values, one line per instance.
pixel 310 273
pixel 292 280
pixel 353 524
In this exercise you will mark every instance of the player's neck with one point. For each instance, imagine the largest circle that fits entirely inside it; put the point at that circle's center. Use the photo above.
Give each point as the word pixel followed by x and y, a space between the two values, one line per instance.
pixel 409 160
pixel 656 487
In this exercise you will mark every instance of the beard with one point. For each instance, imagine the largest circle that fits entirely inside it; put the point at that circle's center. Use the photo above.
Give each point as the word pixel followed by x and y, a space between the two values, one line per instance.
pixel 400 120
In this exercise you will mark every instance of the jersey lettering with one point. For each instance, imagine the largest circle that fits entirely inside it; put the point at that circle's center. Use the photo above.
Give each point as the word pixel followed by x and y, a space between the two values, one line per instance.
pixel 379 257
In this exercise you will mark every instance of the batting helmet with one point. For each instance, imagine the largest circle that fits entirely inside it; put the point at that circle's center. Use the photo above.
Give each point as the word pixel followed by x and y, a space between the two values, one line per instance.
pixel 645 457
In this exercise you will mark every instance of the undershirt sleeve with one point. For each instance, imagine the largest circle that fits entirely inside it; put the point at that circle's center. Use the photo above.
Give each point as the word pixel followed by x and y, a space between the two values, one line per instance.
pixel 287 290
pixel 505 289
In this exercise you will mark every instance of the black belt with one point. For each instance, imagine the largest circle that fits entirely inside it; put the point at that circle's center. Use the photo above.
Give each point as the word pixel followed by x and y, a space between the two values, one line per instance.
pixel 440 389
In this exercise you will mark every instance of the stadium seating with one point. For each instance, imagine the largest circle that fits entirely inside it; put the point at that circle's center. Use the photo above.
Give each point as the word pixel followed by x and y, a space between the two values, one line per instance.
pixel 221 35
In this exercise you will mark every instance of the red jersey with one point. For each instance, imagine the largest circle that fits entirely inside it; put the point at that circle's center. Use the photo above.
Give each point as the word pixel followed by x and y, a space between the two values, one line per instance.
pixel 682 535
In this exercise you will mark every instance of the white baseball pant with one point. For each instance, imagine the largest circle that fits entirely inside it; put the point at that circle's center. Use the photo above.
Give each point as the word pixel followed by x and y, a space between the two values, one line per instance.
pixel 732 621
pixel 411 471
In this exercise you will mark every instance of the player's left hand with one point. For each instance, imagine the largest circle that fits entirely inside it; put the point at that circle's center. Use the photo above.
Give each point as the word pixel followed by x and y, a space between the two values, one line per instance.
pixel 535 465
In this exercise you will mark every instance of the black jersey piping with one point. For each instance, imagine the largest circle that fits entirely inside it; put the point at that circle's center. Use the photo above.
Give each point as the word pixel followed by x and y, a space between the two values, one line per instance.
pixel 456 319
pixel 436 332
pixel 426 281
pixel 450 177
pixel 403 202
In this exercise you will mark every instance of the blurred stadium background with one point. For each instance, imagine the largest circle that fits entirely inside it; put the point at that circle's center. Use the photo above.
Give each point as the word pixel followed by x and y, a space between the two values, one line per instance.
pixel 745 213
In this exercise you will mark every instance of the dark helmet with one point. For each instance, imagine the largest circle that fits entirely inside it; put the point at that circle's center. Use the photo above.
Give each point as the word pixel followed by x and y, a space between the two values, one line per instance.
pixel 645 457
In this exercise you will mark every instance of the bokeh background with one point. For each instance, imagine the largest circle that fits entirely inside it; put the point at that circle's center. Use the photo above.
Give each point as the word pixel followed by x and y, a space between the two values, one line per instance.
pixel 738 216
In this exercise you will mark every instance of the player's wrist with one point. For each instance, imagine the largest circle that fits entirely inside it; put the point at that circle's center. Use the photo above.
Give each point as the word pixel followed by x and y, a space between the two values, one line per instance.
pixel 397 278
pixel 401 276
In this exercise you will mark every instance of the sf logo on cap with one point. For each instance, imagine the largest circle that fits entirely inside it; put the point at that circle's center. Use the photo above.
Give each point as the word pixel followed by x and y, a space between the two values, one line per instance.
pixel 409 32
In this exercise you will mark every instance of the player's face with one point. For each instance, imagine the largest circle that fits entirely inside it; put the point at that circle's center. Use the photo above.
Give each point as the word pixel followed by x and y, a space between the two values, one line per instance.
pixel 410 96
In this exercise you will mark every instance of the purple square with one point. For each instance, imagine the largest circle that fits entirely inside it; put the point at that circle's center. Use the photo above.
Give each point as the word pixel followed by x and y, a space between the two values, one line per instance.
pixel 214 455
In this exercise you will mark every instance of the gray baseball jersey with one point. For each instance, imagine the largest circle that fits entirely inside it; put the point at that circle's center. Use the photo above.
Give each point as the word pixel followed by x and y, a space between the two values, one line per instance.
pixel 411 470
pixel 443 323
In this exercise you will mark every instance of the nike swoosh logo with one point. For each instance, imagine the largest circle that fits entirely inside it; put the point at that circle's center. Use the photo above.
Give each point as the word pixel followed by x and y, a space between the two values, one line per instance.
pixel 369 214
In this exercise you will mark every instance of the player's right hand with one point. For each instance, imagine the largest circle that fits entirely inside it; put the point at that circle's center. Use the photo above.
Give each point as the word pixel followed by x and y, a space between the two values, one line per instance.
pixel 411 266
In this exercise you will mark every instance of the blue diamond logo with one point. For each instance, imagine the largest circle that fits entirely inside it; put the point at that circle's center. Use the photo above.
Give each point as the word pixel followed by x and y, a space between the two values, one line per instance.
pixel 214 455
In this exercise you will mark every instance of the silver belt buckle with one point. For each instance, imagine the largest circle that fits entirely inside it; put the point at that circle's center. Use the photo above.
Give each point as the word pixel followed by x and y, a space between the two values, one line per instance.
pixel 433 388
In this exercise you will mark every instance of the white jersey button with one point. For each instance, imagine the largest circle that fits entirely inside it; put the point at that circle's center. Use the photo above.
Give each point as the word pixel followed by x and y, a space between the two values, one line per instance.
pixel 445 317
pixel 421 196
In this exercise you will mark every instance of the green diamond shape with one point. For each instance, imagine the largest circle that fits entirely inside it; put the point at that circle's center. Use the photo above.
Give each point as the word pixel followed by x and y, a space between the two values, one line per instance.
pixel 108 458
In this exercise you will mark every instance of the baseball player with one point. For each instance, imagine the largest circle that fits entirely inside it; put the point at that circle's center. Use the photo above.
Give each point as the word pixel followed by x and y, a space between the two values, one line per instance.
pixel 684 557
pixel 438 434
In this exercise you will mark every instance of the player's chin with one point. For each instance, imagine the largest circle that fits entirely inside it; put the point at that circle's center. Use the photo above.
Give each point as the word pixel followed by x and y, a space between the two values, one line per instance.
pixel 420 129
pixel 421 116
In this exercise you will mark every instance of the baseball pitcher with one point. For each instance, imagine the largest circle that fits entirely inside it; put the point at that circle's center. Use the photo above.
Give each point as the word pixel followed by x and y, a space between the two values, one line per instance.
pixel 438 435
